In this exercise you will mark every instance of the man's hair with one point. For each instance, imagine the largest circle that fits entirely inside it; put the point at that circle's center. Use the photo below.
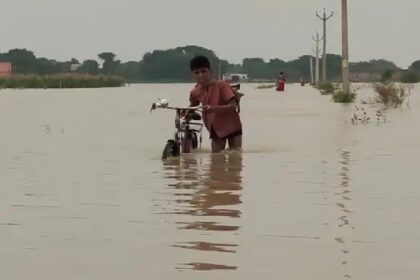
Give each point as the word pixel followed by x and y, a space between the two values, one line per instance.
pixel 199 62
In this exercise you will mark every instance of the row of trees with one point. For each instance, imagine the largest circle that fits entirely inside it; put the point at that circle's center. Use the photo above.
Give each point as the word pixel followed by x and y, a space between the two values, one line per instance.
pixel 173 65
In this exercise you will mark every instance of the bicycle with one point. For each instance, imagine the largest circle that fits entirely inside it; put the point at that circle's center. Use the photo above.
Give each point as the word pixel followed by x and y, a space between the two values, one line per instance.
pixel 188 131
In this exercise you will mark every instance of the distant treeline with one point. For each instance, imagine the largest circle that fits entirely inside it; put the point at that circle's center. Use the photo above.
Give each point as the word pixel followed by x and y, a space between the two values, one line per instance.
pixel 172 65
pixel 19 81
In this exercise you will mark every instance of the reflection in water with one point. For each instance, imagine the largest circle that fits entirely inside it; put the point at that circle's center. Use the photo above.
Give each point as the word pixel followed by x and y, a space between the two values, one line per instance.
pixel 206 267
pixel 344 196
pixel 206 246
pixel 207 226
pixel 207 194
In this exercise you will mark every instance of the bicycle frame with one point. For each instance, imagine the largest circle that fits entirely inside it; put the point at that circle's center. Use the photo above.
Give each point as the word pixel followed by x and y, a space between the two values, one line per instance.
pixel 187 129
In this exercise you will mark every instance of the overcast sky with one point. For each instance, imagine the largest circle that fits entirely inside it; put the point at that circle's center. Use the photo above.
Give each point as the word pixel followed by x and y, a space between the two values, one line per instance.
pixel 234 29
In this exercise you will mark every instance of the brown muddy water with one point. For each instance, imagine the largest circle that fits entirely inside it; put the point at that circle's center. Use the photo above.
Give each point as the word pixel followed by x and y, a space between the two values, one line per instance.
pixel 84 194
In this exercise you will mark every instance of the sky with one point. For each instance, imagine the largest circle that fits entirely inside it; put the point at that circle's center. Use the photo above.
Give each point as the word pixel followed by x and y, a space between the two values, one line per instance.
pixel 234 29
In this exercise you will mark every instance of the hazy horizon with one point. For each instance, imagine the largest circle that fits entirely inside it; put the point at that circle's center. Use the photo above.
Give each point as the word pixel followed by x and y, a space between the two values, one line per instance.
pixel 233 30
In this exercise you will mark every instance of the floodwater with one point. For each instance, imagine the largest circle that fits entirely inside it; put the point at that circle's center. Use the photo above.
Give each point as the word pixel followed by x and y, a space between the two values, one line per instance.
pixel 84 194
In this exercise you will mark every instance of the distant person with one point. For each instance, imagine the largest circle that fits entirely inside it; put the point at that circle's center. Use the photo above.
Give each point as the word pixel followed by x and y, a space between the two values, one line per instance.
pixel 281 82
pixel 302 82
pixel 220 115
pixel 282 77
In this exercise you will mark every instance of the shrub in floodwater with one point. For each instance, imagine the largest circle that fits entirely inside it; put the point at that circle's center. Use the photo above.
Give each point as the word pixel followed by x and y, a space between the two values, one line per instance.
pixel 326 88
pixel 342 97
pixel 390 94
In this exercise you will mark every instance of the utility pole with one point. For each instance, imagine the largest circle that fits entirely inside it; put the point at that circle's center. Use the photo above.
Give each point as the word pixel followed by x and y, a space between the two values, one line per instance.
pixel 324 18
pixel 317 40
pixel 345 46
pixel 311 69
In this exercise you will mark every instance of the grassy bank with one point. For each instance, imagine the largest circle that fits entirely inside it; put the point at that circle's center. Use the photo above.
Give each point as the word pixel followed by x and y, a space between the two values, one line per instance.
pixel 60 81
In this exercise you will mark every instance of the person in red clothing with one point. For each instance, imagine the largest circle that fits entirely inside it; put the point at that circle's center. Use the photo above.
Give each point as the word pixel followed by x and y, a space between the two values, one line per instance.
pixel 220 115
pixel 281 82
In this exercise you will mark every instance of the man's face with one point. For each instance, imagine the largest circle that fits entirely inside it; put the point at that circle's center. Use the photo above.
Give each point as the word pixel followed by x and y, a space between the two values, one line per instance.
pixel 202 75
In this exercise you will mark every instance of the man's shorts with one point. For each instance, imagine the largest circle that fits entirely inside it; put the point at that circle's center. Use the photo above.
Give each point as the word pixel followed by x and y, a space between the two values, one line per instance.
pixel 213 134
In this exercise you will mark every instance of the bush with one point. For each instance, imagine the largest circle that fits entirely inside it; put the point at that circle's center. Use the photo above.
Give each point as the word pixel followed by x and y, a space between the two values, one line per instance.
pixel 327 88
pixel 390 94
pixel 342 97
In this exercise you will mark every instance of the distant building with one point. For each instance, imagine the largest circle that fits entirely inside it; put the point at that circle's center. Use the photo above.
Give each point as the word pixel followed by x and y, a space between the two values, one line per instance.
pixel 5 69
pixel 235 77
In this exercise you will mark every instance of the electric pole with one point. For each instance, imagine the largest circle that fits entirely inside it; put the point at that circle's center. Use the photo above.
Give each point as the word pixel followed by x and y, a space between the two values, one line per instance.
pixel 311 69
pixel 345 46
pixel 324 19
pixel 317 40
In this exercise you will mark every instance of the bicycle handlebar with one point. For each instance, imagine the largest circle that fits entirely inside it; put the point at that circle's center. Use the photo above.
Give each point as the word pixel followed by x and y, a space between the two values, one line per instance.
pixel 154 107
pixel 184 108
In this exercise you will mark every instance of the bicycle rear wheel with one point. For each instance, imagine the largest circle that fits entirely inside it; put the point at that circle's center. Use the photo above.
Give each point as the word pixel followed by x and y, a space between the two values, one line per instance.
pixel 187 143
pixel 194 141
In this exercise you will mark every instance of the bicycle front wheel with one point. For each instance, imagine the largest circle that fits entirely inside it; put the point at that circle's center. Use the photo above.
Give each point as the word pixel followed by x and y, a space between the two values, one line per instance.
pixel 171 149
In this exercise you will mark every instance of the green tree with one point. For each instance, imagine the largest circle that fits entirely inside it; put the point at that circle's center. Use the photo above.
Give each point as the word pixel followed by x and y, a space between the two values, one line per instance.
pixel 334 67
pixel 409 77
pixel 275 66
pixel 109 64
pixel 23 61
pixel 45 66
pixel 298 68
pixel 89 66
pixel 173 64
pixel 129 70
pixel 373 66
pixel 387 75
pixel 256 68
pixel 415 66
